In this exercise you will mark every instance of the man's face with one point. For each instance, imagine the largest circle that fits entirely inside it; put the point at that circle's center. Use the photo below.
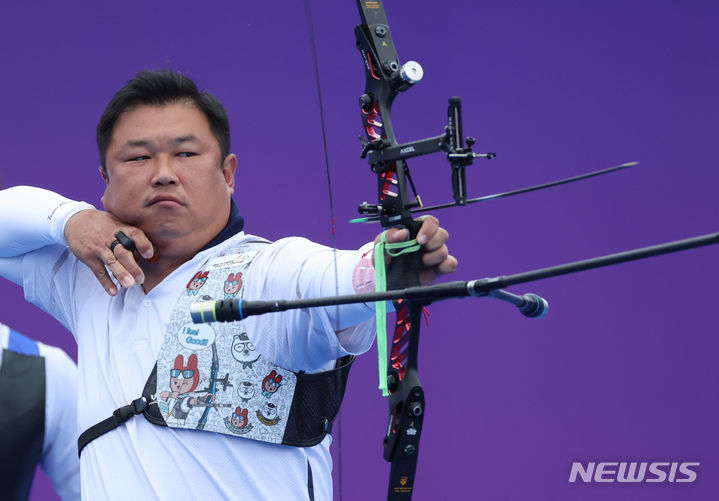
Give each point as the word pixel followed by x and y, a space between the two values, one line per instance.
pixel 164 175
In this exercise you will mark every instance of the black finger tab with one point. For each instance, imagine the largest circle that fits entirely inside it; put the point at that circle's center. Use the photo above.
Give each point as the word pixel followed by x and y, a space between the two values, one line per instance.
pixel 125 241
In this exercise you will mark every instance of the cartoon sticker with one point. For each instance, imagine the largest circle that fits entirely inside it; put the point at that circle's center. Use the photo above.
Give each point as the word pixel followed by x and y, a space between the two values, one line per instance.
pixel 244 351
pixel 246 390
pixel 233 284
pixel 184 378
pixel 238 423
pixel 197 282
pixel 271 384
pixel 268 414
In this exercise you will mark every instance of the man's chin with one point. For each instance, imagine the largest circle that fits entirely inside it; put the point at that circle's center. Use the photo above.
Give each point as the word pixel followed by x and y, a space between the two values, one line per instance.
pixel 167 234
pixel 173 237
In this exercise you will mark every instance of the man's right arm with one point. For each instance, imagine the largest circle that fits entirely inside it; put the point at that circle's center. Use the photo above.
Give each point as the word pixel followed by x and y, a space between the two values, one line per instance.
pixel 31 218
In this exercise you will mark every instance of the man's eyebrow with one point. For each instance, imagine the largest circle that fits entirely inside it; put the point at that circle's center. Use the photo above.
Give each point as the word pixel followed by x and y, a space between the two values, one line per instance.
pixel 144 143
pixel 138 143
pixel 183 139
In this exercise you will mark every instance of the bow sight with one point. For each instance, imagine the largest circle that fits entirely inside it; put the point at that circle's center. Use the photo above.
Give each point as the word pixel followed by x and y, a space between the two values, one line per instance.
pixel 385 79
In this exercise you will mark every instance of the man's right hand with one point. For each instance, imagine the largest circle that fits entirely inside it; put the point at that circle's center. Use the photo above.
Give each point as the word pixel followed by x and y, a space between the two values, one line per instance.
pixel 90 234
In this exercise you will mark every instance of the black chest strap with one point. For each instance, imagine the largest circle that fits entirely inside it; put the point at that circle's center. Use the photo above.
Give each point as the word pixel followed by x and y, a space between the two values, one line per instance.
pixel 118 417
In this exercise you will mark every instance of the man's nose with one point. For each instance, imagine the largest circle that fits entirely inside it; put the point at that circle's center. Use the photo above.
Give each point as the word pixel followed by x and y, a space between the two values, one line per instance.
pixel 164 170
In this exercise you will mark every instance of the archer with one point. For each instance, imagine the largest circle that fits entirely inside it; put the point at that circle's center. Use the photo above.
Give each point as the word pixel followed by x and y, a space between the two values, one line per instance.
pixel 118 279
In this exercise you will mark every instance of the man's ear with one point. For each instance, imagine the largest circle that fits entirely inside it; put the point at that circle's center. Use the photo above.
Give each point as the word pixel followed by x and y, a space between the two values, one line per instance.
pixel 104 178
pixel 229 167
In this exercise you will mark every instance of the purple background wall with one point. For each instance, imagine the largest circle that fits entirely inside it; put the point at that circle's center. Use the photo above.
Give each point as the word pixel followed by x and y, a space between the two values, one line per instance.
pixel 622 369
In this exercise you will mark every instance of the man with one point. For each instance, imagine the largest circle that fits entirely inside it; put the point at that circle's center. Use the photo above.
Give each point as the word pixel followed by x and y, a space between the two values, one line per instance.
pixel 38 388
pixel 169 176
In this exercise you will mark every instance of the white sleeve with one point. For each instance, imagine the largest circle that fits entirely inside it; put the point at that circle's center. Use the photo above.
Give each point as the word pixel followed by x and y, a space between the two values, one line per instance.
pixel 11 268
pixel 307 339
pixel 33 249
pixel 32 218
pixel 60 461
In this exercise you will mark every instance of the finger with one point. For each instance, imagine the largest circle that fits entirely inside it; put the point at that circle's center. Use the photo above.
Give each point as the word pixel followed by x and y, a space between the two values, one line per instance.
pixel 116 268
pixel 435 257
pixel 128 262
pixel 100 272
pixel 449 265
pixel 426 232
pixel 437 240
pixel 430 274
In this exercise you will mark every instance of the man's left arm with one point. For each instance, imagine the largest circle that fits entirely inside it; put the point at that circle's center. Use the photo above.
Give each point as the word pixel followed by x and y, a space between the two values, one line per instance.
pixel 296 268
pixel 435 262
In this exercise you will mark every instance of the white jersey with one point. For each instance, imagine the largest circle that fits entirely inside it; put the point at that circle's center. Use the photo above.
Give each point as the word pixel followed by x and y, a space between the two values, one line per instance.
pixel 59 458
pixel 119 338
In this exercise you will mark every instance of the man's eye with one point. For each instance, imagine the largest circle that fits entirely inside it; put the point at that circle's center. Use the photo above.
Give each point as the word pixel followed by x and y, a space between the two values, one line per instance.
pixel 186 154
pixel 138 158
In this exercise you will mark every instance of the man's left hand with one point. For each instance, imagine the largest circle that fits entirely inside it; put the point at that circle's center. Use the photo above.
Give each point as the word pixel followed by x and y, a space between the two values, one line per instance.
pixel 436 260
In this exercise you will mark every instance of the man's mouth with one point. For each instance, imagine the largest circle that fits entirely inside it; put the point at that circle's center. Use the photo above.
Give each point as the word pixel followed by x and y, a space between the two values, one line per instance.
pixel 165 200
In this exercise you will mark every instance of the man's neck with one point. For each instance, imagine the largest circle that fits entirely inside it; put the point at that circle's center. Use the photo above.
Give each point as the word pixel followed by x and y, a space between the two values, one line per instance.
pixel 157 271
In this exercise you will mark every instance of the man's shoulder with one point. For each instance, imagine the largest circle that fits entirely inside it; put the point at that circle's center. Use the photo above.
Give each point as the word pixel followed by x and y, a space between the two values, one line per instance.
pixel 238 240
pixel 298 244
pixel 291 242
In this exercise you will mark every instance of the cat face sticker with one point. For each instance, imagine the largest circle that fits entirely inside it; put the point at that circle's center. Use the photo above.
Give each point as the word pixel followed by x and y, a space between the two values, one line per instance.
pixel 246 390
pixel 243 351
pixel 268 414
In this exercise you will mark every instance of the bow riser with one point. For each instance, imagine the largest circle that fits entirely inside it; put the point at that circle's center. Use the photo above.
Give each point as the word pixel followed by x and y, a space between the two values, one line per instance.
pixel 384 80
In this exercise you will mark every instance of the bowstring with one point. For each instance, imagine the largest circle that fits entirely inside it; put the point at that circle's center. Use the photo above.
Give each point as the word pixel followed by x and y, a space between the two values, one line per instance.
pixel 337 425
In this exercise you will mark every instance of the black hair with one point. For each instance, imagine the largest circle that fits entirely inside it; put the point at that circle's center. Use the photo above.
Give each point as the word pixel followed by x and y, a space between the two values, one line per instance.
pixel 159 88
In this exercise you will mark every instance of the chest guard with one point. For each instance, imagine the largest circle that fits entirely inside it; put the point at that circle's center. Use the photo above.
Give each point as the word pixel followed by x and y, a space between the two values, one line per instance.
pixel 209 377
